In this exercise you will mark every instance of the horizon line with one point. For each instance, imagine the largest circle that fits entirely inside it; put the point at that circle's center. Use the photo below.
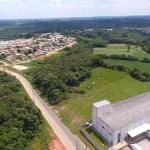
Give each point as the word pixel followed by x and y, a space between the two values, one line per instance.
pixel 78 17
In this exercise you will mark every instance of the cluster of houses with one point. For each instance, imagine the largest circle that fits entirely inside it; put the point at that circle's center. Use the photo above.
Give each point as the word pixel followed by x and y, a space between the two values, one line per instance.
pixel 24 49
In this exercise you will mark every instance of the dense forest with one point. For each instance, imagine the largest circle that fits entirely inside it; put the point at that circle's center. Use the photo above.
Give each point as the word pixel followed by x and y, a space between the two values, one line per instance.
pixel 26 28
pixel 19 118
pixel 57 75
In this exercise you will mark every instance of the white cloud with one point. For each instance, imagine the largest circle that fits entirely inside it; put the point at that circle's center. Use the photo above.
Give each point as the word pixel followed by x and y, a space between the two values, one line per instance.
pixel 55 3
pixel 68 8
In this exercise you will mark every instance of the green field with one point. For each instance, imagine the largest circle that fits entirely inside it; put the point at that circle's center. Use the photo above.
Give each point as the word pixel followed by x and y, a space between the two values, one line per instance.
pixel 103 84
pixel 144 67
pixel 119 49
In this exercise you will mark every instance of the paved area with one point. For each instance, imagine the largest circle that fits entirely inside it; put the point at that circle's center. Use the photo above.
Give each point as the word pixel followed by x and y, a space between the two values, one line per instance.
pixel 126 148
pixel 119 146
pixel 144 144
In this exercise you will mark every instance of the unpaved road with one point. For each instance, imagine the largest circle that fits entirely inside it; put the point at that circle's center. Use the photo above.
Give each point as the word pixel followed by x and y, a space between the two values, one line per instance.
pixel 70 141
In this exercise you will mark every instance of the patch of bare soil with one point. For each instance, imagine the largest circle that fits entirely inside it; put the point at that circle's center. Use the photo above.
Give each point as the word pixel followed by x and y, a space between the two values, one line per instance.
pixel 56 144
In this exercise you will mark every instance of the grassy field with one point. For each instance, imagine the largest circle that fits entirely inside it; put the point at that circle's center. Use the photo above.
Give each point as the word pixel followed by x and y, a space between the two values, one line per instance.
pixel 40 142
pixel 103 84
pixel 120 49
pixel 144 67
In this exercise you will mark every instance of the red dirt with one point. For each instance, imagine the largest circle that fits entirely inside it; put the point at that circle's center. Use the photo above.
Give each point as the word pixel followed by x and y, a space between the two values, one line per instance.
pixel 56 144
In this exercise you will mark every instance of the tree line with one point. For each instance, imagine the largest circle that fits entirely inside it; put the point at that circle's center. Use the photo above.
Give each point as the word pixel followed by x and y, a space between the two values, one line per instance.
pixel 27 28
pixel 135 73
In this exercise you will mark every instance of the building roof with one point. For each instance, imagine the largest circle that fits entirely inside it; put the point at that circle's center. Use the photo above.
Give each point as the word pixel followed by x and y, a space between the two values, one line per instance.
pixel 128 111
pixel 139 130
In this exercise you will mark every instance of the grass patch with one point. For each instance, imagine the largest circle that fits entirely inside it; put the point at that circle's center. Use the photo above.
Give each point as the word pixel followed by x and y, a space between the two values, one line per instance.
pixel 120 49
pixel 144 67
pixel 103 84
pixel 96 139
pixel 40 142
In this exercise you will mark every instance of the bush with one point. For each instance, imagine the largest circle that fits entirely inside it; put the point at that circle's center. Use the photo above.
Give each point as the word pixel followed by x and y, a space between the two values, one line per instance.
pixel 142 76
pixel 19 119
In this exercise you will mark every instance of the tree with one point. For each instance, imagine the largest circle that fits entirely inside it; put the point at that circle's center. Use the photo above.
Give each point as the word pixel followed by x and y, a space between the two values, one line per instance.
pixel 128 47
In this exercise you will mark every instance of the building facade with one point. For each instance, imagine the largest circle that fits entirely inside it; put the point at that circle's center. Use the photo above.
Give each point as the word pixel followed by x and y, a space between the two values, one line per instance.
pixel 114 121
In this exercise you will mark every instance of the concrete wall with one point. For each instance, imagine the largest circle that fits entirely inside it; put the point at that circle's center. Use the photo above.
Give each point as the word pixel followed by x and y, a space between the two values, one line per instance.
pixel 94 117
pixel 105 130
pixel 123 130
pixel 99 110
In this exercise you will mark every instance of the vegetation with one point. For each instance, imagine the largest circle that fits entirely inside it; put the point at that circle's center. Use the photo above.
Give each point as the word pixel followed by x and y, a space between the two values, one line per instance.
pixel 144 67
pixel 55 76
pixel 103 84
pixel 146 45
pixel 42 139
pixel 19 119
pixel 74 80
pixel 2 56
pixel 121 49
pixel 142 76
pixel 76 75
pixel 10 29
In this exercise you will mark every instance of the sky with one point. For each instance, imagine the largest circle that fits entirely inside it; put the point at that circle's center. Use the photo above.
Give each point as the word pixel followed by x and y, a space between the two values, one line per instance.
pixel 27 9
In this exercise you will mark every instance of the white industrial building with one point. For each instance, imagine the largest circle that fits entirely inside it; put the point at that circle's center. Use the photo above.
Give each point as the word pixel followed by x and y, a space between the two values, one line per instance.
pixel 128 118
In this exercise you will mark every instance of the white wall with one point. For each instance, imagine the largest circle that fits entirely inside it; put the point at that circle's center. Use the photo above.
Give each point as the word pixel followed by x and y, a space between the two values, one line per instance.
pixel 106 131
pixel 123 130
pixel 102 128
pixel 99 110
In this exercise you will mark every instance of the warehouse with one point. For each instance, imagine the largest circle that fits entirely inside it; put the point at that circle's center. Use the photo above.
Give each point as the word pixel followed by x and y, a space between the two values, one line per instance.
pixel 115 122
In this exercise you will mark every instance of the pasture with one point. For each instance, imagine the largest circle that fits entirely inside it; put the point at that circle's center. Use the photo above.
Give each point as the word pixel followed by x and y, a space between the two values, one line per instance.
pixel 120 49
pixel 144 67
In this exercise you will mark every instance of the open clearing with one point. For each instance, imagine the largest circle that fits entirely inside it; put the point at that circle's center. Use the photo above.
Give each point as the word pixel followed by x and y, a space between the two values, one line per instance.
pixel 120 49
pixel 144 67
pixel 20 67
pixel 103 84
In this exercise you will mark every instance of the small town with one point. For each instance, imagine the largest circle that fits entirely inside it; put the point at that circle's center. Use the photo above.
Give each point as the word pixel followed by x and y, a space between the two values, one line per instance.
pixel 25 49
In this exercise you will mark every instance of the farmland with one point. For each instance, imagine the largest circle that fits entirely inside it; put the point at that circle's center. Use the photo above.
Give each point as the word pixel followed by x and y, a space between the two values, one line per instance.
pixel 144 67
pixel 120 49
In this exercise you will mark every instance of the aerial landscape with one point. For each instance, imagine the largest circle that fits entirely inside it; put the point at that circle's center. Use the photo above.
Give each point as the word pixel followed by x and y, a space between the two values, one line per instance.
pixel 74 75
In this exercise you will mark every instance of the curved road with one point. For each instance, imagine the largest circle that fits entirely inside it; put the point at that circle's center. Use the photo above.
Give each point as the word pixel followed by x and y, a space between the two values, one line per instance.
pixel 70 141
